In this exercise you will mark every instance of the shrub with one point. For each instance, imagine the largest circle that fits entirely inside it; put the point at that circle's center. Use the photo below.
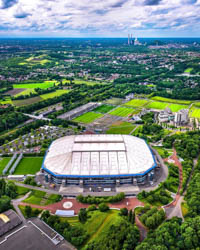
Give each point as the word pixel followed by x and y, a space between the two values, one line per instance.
pixel 103 207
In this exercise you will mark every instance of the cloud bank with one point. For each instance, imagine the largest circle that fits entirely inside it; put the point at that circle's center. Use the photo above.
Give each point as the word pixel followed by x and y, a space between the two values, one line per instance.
pixel 110 18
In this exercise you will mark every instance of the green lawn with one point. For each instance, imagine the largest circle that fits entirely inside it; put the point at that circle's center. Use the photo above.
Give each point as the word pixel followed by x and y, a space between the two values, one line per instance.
pixel 29 165
pixel 188 70
pixel 22 191
pixel 137 103
pixel 88 117
pixel 177 107
pixel 3 163
pixel 169 100
pixel 43 85
pixel 103 108
pixel 157 105
pixel 58 92
pixel 41 198
pixel 114 101
pixel 122 111
pixel 25 92
pixel 123 128
pixel 195 113
pixel 98 223
pixel 87 82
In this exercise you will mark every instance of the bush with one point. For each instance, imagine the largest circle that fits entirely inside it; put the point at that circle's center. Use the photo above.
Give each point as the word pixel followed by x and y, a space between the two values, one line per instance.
pixel 92 208
pixel 103 207
pixel 124 211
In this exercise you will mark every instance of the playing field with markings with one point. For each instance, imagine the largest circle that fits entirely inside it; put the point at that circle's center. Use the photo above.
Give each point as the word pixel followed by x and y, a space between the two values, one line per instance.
pixel 103 108
pixel 122 111
pixel 137 103
pixel 157 105
pixel 195 113
pixel 169 100
pixel 88 117
pixel 177 107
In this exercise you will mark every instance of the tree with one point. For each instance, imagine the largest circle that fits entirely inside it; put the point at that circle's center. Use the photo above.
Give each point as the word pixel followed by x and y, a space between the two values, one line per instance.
pixel 124 211
pixel 28 211
pixel 82 215
pixel 103 207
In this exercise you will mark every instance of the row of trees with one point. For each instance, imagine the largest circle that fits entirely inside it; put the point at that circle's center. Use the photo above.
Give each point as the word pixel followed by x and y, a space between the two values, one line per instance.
pixel 97 200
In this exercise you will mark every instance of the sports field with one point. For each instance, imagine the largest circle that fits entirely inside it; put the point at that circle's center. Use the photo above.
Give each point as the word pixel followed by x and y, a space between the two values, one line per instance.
pixel 114 101
pixel 121 128
pixel 195 113
pixel 169 100
pixel 88 117
pixel 157 105
pixel 137 103
pixel 29 165
pixel 3 163
pixel 122 111
pixel 103 108
pixel 177 107
pixel 58 92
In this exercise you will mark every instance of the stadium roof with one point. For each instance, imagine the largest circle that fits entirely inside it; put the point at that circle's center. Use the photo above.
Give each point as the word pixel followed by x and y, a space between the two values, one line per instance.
pixel 98 155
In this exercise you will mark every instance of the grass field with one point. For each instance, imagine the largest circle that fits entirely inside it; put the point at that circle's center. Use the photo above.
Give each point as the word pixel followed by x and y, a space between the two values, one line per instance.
pixel 92 83
pixel 103 108
pixel 137 103
pixel 195 113
pixel 41 198
pixel 29 165
pixel 3 163
pixel 188 70
pixel 169 100
pixel 177 107
pixel 42 85
pixel 157 105
pixel 122 111
pixel 122 128
pixel 88 117
pixel 22 191
pixel 58 92
pixel 25 92
pixel 98 223
pixel 114 101
pixel 28 101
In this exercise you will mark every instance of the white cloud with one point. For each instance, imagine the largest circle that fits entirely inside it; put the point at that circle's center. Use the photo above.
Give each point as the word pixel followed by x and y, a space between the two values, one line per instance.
pixel 98 18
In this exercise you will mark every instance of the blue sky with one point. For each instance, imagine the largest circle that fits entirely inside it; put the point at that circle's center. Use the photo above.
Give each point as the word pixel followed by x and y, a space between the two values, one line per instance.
pixel 99 18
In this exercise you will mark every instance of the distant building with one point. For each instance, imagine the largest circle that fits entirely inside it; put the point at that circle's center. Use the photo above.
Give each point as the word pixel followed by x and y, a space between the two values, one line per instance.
pixel 8 221
pixel 181 117
pixel 166 115
pixel 129 97
pixel 136 42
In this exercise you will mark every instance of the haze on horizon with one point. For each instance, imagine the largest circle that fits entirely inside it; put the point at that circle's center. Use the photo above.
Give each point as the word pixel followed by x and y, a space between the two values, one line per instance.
pixel 110 18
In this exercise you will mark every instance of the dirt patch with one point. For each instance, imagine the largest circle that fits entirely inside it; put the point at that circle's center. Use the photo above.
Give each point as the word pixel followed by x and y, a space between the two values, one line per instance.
pixel 27 101
pixel 14 92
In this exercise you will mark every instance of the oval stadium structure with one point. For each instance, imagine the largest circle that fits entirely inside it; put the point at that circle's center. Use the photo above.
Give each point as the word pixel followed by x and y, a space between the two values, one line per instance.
pixel 99 159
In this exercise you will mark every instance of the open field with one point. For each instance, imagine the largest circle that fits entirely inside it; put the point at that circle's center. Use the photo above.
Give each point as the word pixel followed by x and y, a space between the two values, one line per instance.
pixel 195 113
pixel 27 101
pixel 122 111
pixel 6 100
pixel 169 100
pixel 103 108
pixel 188 70
pixel 177 107
pixel 157 105
pixel 42 85
pixel 98 223
pixel 88 117
pixel 24 92
pixel 41 198
pixel 3 163
pixel 123 128
pixel 58 92
pixel 15 92
pixel 137 103
pixel 87 82
pixel 114 101
pixel 29 165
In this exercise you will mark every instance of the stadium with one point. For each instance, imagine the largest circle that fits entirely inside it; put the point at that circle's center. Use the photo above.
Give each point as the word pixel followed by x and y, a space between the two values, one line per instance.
pixel 99 160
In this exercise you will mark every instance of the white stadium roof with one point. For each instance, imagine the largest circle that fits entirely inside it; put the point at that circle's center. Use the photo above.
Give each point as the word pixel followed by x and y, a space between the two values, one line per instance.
pixel 98 155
